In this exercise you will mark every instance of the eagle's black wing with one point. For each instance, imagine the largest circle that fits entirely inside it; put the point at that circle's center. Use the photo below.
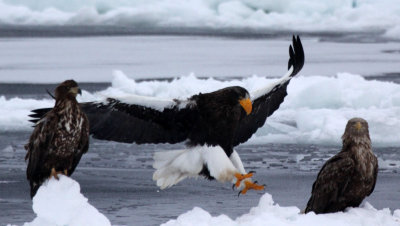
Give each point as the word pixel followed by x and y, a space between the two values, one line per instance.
pixel 116 120
pixel 38 149
pixel 129 122
pixel 330 184
pixel 268 99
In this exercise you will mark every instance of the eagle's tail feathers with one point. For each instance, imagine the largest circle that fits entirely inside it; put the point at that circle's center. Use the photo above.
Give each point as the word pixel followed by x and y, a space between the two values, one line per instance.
pixel 174 166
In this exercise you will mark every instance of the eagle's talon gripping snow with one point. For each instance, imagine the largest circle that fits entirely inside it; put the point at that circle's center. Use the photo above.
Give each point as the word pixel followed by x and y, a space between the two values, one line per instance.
pixel 55 173
pixel 251 186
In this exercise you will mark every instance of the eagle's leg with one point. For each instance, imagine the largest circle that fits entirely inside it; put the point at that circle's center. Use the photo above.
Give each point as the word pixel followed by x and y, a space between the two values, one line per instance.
pixel 65 172
pixel 54 173
pixel 251 186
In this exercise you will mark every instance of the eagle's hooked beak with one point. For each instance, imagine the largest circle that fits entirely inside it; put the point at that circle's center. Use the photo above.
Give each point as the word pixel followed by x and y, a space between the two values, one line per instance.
pixel 76 90
pixel 358 125
pixel 246 105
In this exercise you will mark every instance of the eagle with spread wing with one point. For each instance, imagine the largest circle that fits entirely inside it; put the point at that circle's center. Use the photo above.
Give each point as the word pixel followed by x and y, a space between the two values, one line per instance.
pixel 59 138
pixel 219 120
pixel 349 176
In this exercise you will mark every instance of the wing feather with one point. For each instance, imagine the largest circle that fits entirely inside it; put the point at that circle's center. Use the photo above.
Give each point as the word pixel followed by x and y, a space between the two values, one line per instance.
pixel 331 182
pixel 267 100
pixel 118 121
pixel 37 149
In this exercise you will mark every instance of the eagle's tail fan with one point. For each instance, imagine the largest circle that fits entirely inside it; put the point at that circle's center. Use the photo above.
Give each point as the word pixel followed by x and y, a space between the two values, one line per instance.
pixel 174 166
pixel 34 189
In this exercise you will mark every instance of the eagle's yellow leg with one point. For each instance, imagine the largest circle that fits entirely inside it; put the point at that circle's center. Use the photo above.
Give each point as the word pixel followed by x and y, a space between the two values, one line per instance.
pixel 54 173
pixel 240 177
pixel 250 185
pixel 66 172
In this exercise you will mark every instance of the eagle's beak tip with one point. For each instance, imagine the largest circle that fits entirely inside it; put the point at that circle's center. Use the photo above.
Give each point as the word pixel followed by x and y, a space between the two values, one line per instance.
pixel 246 105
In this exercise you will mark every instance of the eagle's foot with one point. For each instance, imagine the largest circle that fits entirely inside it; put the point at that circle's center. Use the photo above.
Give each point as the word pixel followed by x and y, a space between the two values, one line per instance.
pixel 251 186
pixel 65 172
pixel 241 177
pixel 54 174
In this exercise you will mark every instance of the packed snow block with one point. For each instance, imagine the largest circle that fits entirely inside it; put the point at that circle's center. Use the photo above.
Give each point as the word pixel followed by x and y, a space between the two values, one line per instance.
pixel 59 202
pixel 269 213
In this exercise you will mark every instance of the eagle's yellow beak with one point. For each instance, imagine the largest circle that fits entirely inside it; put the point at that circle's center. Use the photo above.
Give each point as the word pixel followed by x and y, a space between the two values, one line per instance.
pixel 358 125
pixel 246 105
pixel 76 90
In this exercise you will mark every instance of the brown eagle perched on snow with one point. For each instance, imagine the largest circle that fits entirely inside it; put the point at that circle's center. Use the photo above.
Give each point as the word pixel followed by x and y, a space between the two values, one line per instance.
pixel 59 139
pixel 349 176
pixel 212 124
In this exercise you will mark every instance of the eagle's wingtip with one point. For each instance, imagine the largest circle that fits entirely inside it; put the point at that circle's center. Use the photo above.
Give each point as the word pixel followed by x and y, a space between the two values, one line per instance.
pixel 296 54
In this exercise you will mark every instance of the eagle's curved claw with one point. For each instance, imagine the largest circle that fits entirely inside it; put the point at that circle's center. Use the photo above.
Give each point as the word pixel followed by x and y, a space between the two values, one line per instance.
pixel 241 177
pixel 251 186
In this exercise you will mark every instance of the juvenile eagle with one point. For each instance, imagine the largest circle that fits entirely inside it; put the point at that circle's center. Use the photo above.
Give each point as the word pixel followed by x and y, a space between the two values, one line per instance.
pixel 59 139
pixel 224 118
pixel 349 176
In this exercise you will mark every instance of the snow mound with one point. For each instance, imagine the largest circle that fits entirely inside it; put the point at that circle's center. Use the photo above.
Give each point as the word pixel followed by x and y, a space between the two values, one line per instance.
pixel 268 213
pixel 59 202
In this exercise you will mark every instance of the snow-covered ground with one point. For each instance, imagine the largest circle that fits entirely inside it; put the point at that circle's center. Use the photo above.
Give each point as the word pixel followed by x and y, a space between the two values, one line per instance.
pixel 245 16
pixel 315 111
pixel 269 213
pixel 59 202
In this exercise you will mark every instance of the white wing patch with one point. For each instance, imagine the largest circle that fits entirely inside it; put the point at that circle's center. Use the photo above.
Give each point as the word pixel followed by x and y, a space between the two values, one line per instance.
pixel 155 103
pixel 260 92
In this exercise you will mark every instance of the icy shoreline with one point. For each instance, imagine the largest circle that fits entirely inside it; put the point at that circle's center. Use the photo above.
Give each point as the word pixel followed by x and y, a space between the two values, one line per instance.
pixel 241 15
pixel 301 119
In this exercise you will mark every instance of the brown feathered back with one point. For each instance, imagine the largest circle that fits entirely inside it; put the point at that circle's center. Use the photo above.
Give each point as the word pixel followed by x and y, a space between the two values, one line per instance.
pixel 348 177
pixel 59 139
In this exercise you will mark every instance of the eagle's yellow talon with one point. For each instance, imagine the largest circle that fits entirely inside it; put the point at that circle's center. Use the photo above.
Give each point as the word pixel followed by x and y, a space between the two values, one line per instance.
pixel 240 177
pixel 54 174
pixel 250 186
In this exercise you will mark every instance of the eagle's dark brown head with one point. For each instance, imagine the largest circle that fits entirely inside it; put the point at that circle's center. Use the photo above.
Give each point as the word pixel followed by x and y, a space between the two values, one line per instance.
pixel 356 131
pixel 68 89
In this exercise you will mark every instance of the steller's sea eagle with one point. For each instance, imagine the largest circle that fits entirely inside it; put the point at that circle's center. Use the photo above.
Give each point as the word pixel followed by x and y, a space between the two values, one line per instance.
pixel 59 138
pixel 349 176
pixel 222 119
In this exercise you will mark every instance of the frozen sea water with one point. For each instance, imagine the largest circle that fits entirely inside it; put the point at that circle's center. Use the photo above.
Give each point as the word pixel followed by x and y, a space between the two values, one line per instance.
pixel 220 17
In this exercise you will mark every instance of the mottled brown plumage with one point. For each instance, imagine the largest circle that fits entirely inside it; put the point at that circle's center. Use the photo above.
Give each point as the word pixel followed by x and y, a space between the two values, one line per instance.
pixel 59 138
pixel 348 177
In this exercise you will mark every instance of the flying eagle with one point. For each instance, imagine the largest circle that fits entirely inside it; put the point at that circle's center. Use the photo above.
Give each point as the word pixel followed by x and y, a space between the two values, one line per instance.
pixel 59 139
pixel 222 119
pixel 349 176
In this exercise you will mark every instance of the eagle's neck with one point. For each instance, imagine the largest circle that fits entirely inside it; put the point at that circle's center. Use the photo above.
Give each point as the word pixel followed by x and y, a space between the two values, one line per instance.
pixel 66 105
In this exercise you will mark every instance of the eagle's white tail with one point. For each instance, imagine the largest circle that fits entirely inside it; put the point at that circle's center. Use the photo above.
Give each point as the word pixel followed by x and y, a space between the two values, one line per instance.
pixel 174 166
